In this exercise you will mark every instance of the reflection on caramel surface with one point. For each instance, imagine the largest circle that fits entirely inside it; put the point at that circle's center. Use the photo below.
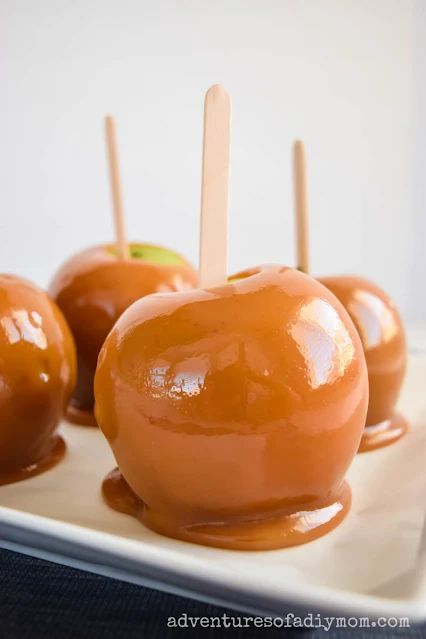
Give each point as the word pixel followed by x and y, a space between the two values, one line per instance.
pixel 234 413
pixel 37 373
pixel 383 434
pixel 326 360
pixel 382 335
pixel 93 288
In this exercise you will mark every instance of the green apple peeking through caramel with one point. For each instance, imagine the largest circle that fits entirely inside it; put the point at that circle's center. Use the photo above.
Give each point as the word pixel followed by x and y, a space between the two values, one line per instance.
pixel 154 254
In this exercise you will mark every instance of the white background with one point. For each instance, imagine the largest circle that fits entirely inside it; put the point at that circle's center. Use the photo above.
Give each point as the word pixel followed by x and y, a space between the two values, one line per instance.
pixel 344 75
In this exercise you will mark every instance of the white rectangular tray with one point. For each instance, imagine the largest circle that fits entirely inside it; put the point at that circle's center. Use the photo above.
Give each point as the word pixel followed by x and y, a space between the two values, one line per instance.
pixel 373 564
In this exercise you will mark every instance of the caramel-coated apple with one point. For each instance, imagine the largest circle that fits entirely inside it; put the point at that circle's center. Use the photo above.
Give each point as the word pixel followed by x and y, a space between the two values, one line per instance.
pixel 37 374
pixel 94 287
pixel 234 412
pixel 376 319
pixel 382 335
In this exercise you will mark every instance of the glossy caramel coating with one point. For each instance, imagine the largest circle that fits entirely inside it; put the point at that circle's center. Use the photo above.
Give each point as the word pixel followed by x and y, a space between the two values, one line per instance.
pixel 382 335
pixel 234 413
pixel 93 288
pixel 37 374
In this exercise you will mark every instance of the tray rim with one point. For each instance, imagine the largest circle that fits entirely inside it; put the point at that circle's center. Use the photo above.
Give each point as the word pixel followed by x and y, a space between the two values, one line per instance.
pixel 140 563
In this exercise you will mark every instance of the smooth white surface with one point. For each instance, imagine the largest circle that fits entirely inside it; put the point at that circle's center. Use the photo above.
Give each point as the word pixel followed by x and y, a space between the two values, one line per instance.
pixel 418 264
pixel 368 565
pixel 340 75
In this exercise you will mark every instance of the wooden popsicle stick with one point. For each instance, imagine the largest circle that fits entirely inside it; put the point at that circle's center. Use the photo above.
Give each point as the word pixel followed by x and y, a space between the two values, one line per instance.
pixel 116 193
pixel 301 206
pixel 214 188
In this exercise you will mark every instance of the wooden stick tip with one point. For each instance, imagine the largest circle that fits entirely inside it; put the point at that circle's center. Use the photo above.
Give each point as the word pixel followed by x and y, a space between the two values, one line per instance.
pixel 298 146
pixel 109 121
pixel 217 92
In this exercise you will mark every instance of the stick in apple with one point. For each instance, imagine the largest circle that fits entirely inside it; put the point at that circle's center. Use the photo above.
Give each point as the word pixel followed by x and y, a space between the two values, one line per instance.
pixel 116 193
pixel 214 188
pixel 301 206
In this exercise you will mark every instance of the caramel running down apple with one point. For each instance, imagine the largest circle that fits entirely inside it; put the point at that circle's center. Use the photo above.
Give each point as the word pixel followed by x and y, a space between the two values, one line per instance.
pixel 382 335
pixel 234 412
pixel 37 374
pixel 94 287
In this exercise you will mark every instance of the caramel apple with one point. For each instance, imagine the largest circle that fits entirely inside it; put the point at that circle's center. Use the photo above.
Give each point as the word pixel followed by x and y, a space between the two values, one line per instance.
pixel 94 287
pixel 37 374
pixel 234 413
pixel 234 409
pixel 377 321
pixel 382 335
